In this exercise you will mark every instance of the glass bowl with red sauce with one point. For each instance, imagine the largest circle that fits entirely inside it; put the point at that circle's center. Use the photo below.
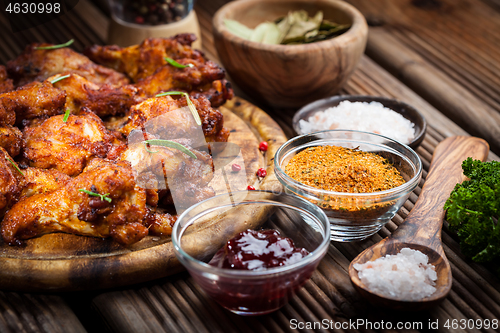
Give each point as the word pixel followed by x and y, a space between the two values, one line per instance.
pixel 257 266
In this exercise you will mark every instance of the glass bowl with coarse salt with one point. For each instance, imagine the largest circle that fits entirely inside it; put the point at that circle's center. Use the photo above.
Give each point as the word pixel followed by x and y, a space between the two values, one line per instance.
pixel 380 115
pixel 359 179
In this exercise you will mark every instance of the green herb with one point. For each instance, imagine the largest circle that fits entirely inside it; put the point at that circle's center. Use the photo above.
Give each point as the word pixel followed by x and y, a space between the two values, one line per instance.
pixel 15 166
pixel 60 78
pixel 66 115
pixel 473 209
pixel 295 28
pixel 176 64
pixel 52 47
pixel 191 106
pixel 102 196
pixel 169 144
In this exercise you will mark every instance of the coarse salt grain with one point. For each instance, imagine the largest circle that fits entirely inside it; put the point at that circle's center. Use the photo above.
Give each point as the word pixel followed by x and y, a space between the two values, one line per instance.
pixel 368 117
pixel 406 275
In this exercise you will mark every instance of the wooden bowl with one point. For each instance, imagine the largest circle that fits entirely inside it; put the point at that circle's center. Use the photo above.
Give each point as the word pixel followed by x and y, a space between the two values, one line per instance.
pixel 407 111
pixel 289 75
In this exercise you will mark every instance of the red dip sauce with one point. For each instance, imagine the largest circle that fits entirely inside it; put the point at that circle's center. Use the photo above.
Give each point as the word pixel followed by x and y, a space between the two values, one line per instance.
pixel 258 250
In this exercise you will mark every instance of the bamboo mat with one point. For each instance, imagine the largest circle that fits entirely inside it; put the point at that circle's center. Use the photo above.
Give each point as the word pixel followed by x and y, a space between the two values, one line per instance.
pixel 177 304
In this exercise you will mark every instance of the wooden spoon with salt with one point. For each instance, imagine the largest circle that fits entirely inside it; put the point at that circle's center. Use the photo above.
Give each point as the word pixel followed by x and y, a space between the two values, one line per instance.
pixel 422 228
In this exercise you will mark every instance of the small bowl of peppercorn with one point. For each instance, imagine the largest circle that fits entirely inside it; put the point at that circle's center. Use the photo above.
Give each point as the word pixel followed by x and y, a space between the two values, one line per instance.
pixel 134 21
pixel 255 268
pixel 359 179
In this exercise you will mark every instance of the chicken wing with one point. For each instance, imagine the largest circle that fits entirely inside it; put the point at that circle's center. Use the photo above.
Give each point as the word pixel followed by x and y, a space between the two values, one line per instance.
pixel 34 100
pixel 212 119
pixel 10 179
pixel 68 209
pixel 11 139
pixel 68 146
pixel 6 84
pixel 39 181
pixel 38 65
pixel 103 101
pixel 140 61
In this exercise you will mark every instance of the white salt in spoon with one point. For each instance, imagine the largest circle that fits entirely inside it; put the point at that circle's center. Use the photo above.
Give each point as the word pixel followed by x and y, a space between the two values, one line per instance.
pixel 422 228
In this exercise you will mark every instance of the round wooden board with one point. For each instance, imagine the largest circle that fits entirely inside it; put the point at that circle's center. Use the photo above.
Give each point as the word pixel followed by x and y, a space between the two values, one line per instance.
pixel 63 262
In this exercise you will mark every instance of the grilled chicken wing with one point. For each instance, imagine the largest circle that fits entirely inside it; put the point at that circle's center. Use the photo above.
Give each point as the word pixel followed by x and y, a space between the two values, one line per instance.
pixel 69 146
pixel 11 139
pixel 10 179
pixel 38 65
pixel 212 120
pixel 39 181
pixel 68 209
pixel 103 101
pixel 140 61
pixel 6 84
pixel 34 100
pixel 164 168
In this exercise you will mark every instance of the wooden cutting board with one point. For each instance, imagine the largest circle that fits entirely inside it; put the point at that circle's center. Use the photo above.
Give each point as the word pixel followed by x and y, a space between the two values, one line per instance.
pixel 65 262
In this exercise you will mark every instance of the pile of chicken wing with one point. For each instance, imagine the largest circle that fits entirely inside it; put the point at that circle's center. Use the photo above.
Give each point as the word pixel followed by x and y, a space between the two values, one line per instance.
pixel 66 162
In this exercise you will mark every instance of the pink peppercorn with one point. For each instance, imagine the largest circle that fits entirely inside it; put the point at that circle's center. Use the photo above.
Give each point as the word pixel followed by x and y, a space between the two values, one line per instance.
pixel 261 173
pixel 236 167
pixel 139 20
pixel 263 146
pixel 250 188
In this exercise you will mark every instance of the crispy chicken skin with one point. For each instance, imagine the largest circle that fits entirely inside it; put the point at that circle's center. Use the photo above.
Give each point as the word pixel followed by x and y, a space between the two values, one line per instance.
pixel 38 65
pixel 11 139
pixel 6 84
pixel 10 178
pixel 68 146
pixel 103 101
pixel 140 61
pixel 39 181
pixel 160 223
pixel 34 100
pixel 185 177
pixel 169 77
pixel 69 210
pixel 212 119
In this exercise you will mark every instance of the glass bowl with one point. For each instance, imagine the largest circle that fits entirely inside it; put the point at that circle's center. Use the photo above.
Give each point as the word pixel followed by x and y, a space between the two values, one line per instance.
pixel 353 216
pixel 253 292
pixel 407 111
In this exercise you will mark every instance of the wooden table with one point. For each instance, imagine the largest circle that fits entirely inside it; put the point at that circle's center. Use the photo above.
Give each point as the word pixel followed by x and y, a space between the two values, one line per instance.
pixel 442 56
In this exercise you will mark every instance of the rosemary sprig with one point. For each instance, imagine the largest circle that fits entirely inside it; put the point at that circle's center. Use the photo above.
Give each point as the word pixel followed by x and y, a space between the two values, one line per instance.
pixel 53 47
pixel 169 144
pixel 60 78
pixel 102 196
pixel 176 64
pixel 15 166
pixel 66 115
pixel 191 106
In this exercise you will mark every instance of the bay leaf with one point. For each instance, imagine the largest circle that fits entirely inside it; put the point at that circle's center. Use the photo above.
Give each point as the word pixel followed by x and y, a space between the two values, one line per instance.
pixel 238 29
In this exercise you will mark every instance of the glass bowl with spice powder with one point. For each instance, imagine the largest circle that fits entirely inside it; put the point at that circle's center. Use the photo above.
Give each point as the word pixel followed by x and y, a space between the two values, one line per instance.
pixel 359 179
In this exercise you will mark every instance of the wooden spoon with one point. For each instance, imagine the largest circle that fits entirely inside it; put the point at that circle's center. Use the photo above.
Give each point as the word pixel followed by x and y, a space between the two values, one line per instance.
pixel 422 228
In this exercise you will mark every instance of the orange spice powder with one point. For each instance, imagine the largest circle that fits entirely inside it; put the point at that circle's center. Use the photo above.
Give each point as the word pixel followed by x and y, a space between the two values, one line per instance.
pixel 340 169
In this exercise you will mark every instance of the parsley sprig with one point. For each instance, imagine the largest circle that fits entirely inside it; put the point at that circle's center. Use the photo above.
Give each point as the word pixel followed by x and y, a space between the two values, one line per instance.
pixel 94 194
pixel 191 106
pixel 15 166
pixel 53 47
pixel 66 115
pixel 60 78
pixel 473 210
pixel 176 64
pixel 169 144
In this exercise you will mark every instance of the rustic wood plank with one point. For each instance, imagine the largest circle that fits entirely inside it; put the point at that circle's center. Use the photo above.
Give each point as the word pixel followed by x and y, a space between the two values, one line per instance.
pixel 36 313
pixel 452 64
